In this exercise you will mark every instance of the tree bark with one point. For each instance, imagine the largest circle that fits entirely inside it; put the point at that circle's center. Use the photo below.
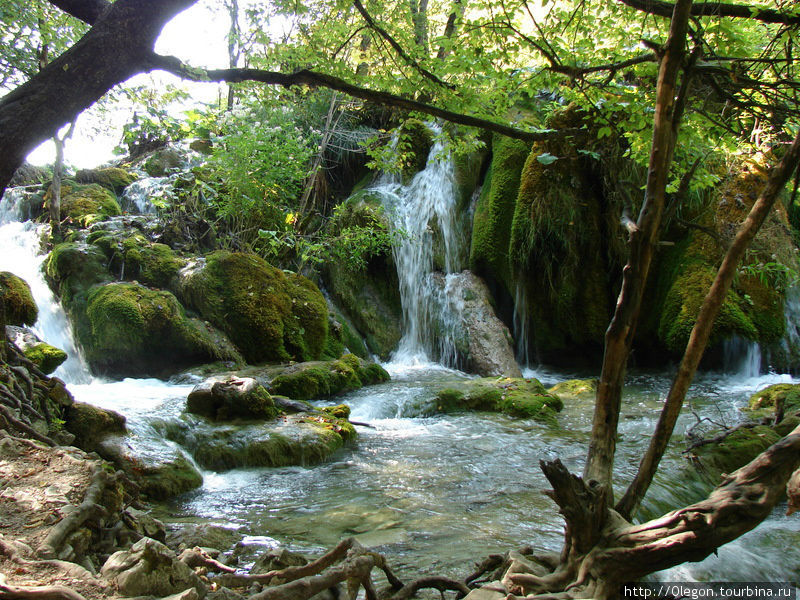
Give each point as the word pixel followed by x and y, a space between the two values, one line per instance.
pixel 701 331
pixel 619 336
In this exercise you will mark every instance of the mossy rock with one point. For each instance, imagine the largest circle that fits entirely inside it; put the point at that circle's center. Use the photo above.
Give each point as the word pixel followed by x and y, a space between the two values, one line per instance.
pixel 340 411
pixel 48 358
pixel 112 178
pixel 270 315
pixel 414 144
pixel 231 398
pixel 91 424
pixel 787 394
pixel 73 268
pixel 135 330
pixel 300 439
pixel 518 397
pixel 737 449
pixel 17 300
pixel 163 161
pixel 136 258
pixel 305 381
pixel 575 389
pixel 161 472
pixel 86 204
pixel 342 338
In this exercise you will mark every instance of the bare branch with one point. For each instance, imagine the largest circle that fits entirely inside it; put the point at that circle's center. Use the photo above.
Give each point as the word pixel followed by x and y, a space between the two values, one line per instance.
pixel 717 9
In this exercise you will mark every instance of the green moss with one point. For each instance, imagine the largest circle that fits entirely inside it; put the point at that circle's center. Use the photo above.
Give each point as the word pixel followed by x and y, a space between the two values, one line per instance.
pixel 787 394
pixel 112 178
pixel 134 330
pixel 738 448
pixel 224 403
pixel 339 426
pixel 575 388
pixel 341 338
pixel 340 411
pixel 136 258
pixel 73 268
pixel 17 300
pixel 90 424
pixel 494 212
pixel 86 204
pixel 46 357
pixel 321 379
pixel 269 315
pixel 524 398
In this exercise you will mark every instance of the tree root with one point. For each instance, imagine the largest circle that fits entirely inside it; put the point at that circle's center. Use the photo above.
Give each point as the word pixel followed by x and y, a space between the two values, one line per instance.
pixel 197 557
pixel 89 508
pixel 44 592
pixel 24 427
pixel 443 584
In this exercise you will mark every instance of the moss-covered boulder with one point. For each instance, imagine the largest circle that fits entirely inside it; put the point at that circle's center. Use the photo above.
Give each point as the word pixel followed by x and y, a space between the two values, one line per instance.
pixel 518 397
pixel 132 330
pixel 785 396
pixel 134 257
pixel 111 178
pixel 91 424
pixel 342 338
pixel 575 389
pixel 305 381
pixel 163 161
pixel 298 439
pixel 73 268
pixel 367 292
pixel 231 398
pixel 162 472
pixel 270 315
pixel 17 300
pixel 736 449
pixel 46 357
pixel 86 204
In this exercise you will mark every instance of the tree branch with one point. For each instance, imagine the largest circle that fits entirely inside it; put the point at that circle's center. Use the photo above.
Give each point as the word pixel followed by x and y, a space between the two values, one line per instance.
pixel 717 9
pixel 87 11
pixel 398 48
pixel 313 79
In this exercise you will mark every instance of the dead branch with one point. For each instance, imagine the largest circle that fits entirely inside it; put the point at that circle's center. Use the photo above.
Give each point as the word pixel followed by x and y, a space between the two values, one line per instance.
pixel 197 557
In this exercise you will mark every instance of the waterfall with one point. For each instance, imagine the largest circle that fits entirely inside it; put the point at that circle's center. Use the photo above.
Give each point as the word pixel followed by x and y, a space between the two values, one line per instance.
pixel 137 197
pixel 741 357
pixel 424 211
pixel 521 325
pixel 22 255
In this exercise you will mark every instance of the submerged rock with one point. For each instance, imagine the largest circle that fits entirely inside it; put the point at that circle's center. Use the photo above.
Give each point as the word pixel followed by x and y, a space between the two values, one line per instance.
pixel 16 297
pixel 149 568
pixel 514 396
pixel 298 439
pixel 231 398
pixel 575 389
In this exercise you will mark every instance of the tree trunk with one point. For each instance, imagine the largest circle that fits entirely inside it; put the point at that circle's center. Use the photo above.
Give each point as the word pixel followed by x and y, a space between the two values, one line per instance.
pixel 118 46
pixel 234 46
pixel 643 234
pixel 701 331
pixel 55 188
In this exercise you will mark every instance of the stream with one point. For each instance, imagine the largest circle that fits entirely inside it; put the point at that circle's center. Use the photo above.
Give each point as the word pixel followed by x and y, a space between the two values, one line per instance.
pixel 435 492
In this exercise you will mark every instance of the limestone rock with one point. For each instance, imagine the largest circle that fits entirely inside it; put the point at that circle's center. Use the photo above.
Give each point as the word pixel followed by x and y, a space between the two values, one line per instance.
pixel 149 568
pixel 15 294
pixel 486 339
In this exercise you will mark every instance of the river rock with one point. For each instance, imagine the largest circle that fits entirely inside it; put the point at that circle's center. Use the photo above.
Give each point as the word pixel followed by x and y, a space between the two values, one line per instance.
pixel 46 357
pixel 487 341
pixel 319 379
pixel 526 398
pixel 231 398
pixel 91 424
pixel 149 568
pixel 15 295
pixel 575 389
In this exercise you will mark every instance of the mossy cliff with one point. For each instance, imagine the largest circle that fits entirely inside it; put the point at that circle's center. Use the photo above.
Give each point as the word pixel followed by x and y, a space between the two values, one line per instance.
pixel 270 315
pixel 366 292
pixel 754 307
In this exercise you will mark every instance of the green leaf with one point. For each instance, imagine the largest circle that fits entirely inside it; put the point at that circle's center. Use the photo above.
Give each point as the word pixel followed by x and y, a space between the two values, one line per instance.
pixel 546 158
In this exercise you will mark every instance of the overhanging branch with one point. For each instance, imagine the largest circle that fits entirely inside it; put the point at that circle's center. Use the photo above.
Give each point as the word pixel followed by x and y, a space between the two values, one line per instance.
pixel 717 9
pixel 85 10
pixel 313 79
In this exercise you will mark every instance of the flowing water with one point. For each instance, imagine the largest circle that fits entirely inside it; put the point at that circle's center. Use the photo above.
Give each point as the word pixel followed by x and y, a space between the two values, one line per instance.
pixel 434 492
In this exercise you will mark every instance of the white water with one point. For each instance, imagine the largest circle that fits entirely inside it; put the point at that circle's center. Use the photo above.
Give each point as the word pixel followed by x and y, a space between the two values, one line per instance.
pixel 420 209
pixel 22 255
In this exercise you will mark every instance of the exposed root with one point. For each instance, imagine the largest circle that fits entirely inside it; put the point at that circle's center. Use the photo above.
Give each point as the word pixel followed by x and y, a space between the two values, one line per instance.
pixel 443 584
pixel 12 421
pixel 197 557
pixel 44 592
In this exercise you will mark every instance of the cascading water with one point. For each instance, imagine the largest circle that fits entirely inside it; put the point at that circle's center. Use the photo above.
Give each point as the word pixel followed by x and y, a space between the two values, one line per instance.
pixel 432 238
pixel 22 255
pixel 741 357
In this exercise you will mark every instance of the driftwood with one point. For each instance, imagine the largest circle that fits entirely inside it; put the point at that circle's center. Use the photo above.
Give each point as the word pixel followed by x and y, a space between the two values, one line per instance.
pixel 197 557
